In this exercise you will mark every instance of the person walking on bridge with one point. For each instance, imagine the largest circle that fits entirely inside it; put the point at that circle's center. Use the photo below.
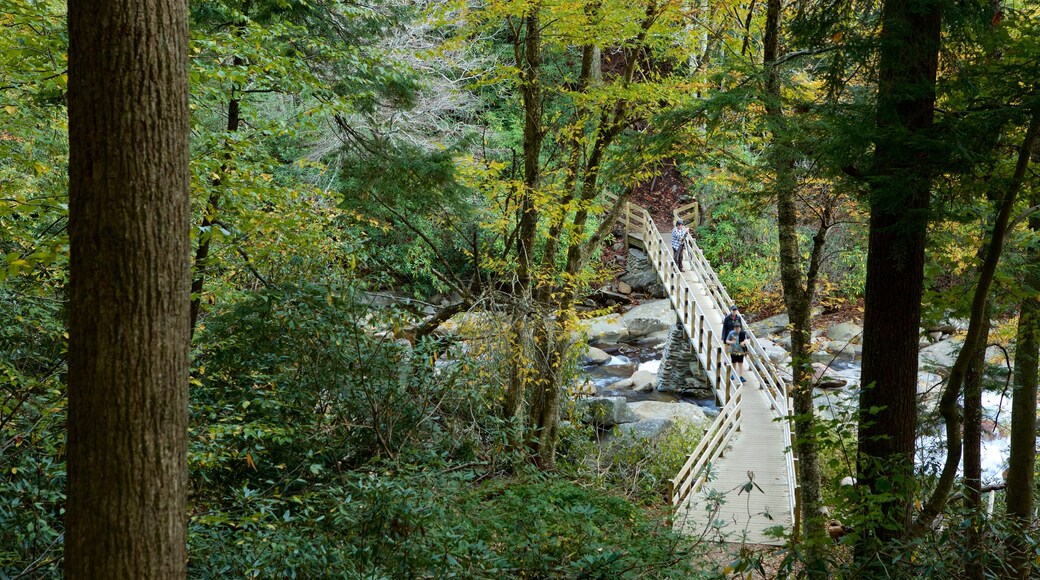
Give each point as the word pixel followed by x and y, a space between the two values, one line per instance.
pixel 679 233
pixel 731 320
pixel 737 341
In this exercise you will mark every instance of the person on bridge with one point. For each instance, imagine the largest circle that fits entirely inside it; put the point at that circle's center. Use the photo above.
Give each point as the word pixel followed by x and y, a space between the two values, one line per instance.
pixel 737 341
pixel 679 233
pixel 733 318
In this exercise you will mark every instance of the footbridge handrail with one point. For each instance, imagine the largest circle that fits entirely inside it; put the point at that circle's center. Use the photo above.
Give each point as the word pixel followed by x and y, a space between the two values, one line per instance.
pixel 708 347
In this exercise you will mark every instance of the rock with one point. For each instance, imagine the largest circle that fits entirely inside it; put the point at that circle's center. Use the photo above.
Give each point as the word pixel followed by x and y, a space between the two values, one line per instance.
pixel 605 412
pixel 653 339
pixel 650 317
pixel 845 332
pixel 772 325
pixel 622 384
pixel 643 381
pixel 640 275
pixel 596 356
pixel 619 369
pixel 941 355
pixel 935 336
pixel 624 288
pixel 608 329
pixel 776 353
pixel 784 342
pixel 653 410
pixel 643 429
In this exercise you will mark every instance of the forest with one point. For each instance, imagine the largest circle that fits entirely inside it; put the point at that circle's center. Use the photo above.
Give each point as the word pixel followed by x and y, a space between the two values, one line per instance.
pixel 327 288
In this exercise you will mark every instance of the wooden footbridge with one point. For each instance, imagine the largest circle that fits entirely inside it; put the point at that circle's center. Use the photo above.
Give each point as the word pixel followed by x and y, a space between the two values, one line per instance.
pixel 740 480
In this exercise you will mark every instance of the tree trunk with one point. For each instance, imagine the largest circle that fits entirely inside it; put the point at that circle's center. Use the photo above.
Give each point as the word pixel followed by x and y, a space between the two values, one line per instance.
pixel 797 298
pixel 973 566
pixel 900 183
pixel 972 341
pixel 208 219
pixel 1022 462
pixel 129 217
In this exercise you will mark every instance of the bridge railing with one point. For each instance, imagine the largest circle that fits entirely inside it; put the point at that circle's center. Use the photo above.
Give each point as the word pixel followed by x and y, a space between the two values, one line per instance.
pixel 709 349
pixel 757 363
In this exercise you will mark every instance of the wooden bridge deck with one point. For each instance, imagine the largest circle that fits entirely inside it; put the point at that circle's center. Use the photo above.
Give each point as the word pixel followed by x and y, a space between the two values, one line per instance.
pixel 755 454
pixel 750 486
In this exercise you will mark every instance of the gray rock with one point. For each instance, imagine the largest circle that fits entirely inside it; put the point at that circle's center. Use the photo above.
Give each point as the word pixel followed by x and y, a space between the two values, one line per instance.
pixel 643 381
pixel 650 317
pixel 640 275
pixel 772 325
pixel 605 411
pixel 608 329
pixel 596 356
pixel 624 288
pixel 654 410
pixel 941 355
pixel 845 332
pixel 643 429
pixel 622 384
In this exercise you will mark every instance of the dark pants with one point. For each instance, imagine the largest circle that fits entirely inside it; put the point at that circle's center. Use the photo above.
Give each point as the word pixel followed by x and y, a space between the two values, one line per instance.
pixel 677 255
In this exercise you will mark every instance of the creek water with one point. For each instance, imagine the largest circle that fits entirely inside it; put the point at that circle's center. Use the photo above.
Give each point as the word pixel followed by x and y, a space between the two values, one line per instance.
pixel 626 360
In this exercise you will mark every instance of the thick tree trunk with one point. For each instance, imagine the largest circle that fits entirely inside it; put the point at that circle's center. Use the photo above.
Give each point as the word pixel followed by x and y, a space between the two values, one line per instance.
pixel 1022 463
pixel 129 307
pixel 899 198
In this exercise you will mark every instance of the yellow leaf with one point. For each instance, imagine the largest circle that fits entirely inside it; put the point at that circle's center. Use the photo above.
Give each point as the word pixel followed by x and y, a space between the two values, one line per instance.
pixel 11 109
pixel 249 460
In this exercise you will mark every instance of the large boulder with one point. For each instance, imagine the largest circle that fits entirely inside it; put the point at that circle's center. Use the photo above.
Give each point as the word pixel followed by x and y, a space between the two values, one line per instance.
pixel 941 355
pixel 650 317
pixel 596 356
pixel 605 412
pixel 845 332
pixel 650 429
pixel 643 381
pixel 655 410
pixel 776 353
pixel 607 329
pixel 772 325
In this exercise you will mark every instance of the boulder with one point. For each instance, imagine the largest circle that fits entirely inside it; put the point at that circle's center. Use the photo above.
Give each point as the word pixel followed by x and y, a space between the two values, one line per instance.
pixel 776 353
pixel 605 412
pixel 654 410
pixel 772 325
pixel 640 275
pixel 619 369
pixel 845 332
pixel 596 356
pixel 607 329
pixel 624 288
pixel 650 317
pixel 643 429
pixel 622 384
pixel 941 355
pixel 643 381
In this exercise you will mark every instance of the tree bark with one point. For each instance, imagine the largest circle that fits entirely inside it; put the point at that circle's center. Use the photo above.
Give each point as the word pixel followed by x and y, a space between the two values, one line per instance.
pixel 129 217
pixel 973 561
pixel 798 292
pixel 1022 462
pixel 900 184
pixel 948 403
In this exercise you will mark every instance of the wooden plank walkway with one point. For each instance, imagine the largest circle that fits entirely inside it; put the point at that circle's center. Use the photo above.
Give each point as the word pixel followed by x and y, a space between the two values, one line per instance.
pixel 750 485
pixel 758 448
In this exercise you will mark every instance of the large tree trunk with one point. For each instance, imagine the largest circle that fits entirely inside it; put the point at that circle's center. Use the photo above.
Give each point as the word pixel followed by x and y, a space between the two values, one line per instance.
pixel 128 331
pixel 900 185
pixel 1022 463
